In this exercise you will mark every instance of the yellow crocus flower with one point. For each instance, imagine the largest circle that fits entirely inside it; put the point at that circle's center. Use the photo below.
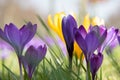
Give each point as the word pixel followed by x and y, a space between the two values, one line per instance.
pixel 86 22
pixel 56 26
pixel 94 21
pixel 97 21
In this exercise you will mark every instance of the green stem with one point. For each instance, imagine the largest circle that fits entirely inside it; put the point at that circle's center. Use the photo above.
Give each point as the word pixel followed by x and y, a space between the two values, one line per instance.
pixel 88 76
pixel 20 66
pixel 3 68
pixel 78 69
pixel 70 64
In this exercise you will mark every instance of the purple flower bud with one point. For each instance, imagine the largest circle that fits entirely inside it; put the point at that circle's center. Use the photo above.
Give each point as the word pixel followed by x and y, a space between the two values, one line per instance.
pixel 32 58
pixel 95 63
pixel 68 23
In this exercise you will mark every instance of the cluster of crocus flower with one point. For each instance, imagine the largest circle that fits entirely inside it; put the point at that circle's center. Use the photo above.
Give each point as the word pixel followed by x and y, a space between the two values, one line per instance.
pixel 92 41
pixel 18 38
pixel 56 26
pixel 63 27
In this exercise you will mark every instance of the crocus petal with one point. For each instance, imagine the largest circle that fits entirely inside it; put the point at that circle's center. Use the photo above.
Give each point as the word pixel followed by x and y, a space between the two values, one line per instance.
pixel 112 33
pixel 102 29
pixel 91 40
pixel 95 63
pixel 118 39
pixel 102 38
pixel 42 52
pixel 80 40
pixel 27 32
pixel 68 23
pixel 3 36
pixel 110 37
pixel 83 31
pixel 12 34
pixel 31 54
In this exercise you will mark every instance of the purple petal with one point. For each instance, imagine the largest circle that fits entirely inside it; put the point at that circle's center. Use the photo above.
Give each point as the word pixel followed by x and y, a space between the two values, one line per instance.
pixel 80 40
pixel 95 62
pixel 31 54
pixel 92 42
pixel 111 35
pixel 82 31
pixel 113 44
pixel 27 32
pixel 41 52
pixel 68 23
pixel 12 34
pixel 102 37
pixel 2 35
pixel 102 29
pixel 118 39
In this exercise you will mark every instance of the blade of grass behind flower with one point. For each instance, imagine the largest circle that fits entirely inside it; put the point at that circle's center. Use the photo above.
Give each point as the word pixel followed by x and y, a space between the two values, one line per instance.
pixel 115 63
pixel 101 73
pixel 14 76
pixel 43 23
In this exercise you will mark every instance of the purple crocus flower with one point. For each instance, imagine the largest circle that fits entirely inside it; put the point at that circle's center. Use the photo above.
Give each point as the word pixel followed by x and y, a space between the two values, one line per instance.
pixel 89 42
pixel 111 36
pixel 18 38
pixel 95 63
pixel 32 58
pixel 68 23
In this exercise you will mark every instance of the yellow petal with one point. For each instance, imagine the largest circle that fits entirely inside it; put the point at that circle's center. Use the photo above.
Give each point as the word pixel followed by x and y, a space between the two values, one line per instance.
pixel 60 16
pixel 50 23
pixel 77 50
pixel 97 21
pixel 86 22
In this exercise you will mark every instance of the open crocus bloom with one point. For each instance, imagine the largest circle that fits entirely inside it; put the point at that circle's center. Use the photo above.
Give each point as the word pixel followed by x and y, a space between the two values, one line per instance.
pixel 89 43
pixel 85 40
pixel 32 58
pixel 18 38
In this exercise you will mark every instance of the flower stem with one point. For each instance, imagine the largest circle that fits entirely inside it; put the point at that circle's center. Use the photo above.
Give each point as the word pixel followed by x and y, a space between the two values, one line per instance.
pixel 20 66
pixel 70 64
pixel 88 76
pixel 93 76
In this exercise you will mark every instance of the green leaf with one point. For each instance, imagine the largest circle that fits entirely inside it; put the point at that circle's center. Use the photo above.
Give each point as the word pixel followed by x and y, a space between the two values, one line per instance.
pixel 13 75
